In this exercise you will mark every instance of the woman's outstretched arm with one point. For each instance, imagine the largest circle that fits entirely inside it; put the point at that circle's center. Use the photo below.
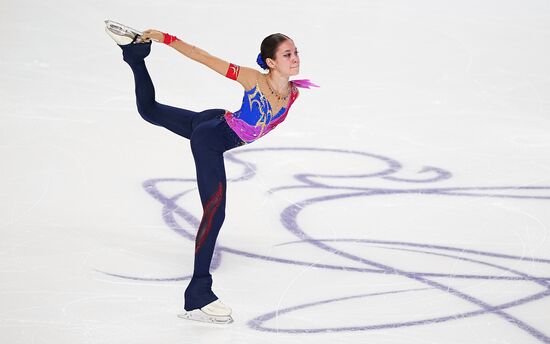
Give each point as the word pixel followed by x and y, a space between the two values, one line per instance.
pixel 245 76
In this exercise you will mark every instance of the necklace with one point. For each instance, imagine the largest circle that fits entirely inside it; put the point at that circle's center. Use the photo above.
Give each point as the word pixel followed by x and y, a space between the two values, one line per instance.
pixel 276 94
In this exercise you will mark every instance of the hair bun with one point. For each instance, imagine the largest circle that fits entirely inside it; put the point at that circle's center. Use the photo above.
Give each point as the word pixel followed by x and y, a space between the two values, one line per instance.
pixel 261 62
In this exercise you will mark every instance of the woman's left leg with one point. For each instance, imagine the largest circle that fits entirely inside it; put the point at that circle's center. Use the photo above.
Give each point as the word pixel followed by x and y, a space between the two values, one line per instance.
pixel 208 143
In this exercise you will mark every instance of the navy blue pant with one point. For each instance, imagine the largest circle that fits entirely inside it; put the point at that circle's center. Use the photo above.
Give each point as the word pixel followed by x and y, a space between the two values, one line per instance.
pixel 210 137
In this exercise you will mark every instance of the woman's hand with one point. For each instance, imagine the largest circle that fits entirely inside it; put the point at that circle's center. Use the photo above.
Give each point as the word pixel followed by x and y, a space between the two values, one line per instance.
pixel 154 35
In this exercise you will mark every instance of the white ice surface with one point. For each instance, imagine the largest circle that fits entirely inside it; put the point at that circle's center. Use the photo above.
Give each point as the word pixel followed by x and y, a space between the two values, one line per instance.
pixel 87 255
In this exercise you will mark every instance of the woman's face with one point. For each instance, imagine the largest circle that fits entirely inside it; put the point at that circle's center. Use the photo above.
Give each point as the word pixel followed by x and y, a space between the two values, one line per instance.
pixel 286 60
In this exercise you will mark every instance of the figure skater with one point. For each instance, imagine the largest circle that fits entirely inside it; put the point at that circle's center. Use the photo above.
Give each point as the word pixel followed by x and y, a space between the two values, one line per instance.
pixel 266 102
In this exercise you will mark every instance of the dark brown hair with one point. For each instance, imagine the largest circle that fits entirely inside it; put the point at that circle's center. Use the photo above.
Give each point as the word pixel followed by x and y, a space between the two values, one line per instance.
pixel 270 44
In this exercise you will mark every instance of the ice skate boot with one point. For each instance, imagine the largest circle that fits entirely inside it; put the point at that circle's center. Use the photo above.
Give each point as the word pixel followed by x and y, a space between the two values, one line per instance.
pixel 215 312
pixel 122 34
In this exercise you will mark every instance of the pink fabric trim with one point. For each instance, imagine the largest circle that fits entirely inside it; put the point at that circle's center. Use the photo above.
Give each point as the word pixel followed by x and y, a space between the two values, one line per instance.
pixel 304 83
pixel 249 133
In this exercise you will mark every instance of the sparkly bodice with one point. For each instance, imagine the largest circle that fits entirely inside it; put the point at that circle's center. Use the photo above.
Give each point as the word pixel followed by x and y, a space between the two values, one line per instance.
pixel 255 117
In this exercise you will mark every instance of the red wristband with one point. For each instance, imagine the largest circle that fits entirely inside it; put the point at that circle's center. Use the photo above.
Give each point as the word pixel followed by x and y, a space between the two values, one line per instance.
pixel 169 38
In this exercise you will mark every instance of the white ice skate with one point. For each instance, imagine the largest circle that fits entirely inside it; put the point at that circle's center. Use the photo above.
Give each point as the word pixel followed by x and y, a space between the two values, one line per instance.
pixel 122 34
pixel 214 312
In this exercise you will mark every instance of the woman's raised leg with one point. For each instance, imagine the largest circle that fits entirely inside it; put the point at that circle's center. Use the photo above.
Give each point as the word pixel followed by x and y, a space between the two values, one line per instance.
pixel 179 121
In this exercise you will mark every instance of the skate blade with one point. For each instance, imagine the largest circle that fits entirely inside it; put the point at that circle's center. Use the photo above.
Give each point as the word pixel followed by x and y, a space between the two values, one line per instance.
pixel 121 29
pixel 198 315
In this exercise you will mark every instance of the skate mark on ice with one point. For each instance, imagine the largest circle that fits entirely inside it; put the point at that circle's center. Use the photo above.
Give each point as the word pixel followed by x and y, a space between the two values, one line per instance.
pixel 390 171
